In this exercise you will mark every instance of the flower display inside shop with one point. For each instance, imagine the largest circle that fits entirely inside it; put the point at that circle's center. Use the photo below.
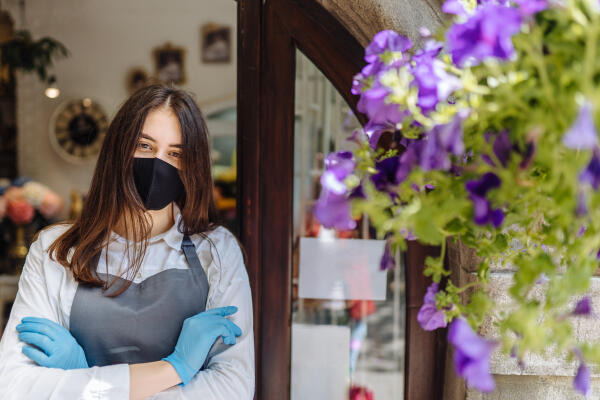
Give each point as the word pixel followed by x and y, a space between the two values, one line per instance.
pixel 21 197
pixel 493 129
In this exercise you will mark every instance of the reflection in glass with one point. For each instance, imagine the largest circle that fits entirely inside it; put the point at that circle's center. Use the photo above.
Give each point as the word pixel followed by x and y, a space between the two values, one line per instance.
pixel 348 335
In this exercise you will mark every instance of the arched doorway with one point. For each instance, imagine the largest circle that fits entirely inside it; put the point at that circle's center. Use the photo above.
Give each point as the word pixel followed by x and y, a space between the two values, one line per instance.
pixel 270 34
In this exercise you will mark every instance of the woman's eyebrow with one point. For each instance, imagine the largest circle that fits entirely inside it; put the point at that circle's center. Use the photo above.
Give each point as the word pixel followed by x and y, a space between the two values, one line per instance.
pixel 145 136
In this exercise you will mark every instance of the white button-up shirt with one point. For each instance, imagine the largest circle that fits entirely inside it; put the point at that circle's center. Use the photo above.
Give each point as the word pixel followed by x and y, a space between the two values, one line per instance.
pixel 46 289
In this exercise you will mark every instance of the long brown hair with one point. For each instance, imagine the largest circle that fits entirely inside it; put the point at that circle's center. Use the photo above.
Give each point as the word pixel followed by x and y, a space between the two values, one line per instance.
pixel 113 197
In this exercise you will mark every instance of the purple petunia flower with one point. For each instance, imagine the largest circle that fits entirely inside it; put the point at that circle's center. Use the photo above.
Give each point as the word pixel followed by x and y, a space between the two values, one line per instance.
pixel 483 213
pixel 432 155
pixel 332 208
pixel 471 355
pixel 486 33
pixel 333 211
pixel 374 131
pixel 531 7
pixel 431 152
pixel 480 187
pixel 441 141
pixel 407 234
pixel 430 49
pixel 450 135
pixel 385 179
pixel 337 167
pixel 358 83
pixel 373 103
pixel 387 259
pixel 362 80
pixel 581 382
pixel 582 134
pixel 408 160
pixel 503 147
pixel 358 136
pixel 454 7
pixel 432 80
pixel 591 174
pixel 429 317
pixel 387 40
pixel 583 307
pixel 341 158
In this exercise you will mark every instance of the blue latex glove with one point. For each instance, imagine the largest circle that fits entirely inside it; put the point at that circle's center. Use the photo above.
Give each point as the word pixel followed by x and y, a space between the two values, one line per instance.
pixel 59 349
pixel 197 335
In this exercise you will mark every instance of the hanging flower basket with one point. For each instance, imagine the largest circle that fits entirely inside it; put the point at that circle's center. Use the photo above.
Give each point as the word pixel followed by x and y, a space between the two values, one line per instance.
pixel 492 124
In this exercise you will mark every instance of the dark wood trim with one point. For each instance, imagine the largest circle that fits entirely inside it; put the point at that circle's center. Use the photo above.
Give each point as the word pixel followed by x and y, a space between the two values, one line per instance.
pixel 269 32
pixel 326 42
pixel 248 126
pixel 275 174
pixel 425 351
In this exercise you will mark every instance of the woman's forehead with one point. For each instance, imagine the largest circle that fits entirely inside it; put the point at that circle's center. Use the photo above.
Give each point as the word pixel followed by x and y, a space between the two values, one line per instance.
pixel 162 125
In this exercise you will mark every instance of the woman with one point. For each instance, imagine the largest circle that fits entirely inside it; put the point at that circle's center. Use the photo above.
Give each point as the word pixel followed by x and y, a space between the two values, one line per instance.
pixel 143 295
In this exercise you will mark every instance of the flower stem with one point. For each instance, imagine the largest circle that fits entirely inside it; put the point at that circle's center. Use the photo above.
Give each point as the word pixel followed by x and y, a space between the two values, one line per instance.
pixel 468 286
pixel 590 57
pixel 537 57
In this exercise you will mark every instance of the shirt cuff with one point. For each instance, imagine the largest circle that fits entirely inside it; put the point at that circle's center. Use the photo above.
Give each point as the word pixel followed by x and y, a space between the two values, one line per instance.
pixel 109 382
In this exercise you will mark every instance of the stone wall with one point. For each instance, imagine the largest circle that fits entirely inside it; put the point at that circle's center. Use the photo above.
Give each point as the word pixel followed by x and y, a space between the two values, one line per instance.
pixel 364 18
pixel 544 377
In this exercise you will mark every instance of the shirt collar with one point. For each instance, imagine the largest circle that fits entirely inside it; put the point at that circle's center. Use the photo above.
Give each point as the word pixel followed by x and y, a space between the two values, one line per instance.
pixel 172 236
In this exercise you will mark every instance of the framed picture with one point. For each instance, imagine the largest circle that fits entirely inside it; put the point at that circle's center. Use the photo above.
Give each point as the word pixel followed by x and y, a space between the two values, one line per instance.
pixel 216 43
pixel 170 64
pixel 136 79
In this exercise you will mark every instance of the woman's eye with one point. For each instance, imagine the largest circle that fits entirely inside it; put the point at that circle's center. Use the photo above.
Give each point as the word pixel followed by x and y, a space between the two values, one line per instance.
pixel 144 145
pixel 175 154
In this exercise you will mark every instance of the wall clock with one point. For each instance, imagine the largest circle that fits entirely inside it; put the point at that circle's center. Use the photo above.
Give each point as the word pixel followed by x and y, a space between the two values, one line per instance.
pixel 77 129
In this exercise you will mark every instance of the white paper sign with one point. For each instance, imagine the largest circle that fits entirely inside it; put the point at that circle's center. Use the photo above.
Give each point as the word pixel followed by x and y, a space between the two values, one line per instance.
pixel 320 362
pixel 341 269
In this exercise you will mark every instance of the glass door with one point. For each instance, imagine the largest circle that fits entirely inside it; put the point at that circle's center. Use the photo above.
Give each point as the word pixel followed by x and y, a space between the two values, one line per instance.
pixel 348 316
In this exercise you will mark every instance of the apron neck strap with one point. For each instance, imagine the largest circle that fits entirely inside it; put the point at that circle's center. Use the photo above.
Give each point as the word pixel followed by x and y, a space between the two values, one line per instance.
pixel 189 250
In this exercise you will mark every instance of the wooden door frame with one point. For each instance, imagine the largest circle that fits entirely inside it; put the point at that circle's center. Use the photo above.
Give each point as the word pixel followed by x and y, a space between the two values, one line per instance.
pixel 269 31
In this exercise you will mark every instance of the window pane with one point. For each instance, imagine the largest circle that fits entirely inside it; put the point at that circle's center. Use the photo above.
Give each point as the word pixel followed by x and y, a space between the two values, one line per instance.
pixel 347 315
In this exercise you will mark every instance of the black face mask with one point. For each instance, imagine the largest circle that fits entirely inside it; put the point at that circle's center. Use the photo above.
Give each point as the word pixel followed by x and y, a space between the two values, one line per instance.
pixel 157 182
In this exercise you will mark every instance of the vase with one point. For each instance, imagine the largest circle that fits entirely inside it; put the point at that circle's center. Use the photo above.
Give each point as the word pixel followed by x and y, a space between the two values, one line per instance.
pixel 17 251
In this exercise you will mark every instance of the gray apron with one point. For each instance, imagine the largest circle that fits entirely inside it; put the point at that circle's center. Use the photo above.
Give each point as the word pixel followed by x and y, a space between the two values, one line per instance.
pixel 143 323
